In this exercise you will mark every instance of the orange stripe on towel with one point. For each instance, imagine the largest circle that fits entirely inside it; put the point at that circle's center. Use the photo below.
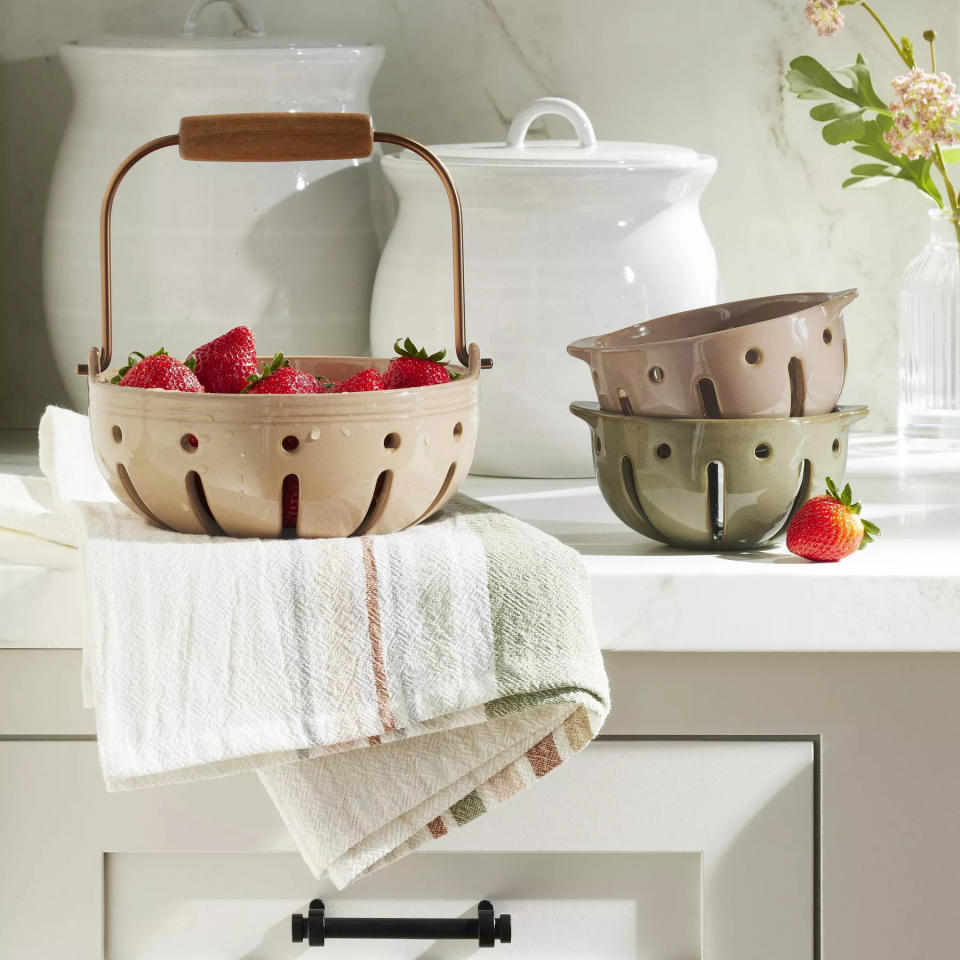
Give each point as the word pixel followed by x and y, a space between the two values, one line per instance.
pixel 376 636
pixel 543 756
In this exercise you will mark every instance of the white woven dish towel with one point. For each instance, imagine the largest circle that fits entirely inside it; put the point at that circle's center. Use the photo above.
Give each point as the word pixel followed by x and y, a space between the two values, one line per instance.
pixel 386 689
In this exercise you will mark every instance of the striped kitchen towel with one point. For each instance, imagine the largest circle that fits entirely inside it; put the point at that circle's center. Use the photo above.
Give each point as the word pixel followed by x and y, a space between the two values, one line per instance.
pixel 385 689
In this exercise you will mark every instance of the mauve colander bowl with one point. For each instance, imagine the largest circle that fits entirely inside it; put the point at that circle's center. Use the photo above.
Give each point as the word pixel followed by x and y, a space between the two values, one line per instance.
pixel 777 356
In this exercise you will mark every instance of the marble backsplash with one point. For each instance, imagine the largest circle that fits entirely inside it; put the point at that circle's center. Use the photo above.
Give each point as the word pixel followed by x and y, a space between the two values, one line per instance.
pixel 702 73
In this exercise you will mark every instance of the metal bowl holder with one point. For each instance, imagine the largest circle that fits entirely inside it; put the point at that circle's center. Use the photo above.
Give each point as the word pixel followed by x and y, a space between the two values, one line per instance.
pixel 335 136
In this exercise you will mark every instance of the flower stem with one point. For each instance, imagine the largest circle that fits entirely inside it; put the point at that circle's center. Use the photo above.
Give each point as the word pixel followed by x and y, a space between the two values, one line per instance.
pixel 896 46
pixel 951 193
pixel 933 59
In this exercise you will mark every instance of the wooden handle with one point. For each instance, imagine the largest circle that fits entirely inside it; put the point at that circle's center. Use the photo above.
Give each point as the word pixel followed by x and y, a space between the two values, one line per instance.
pixel 276 136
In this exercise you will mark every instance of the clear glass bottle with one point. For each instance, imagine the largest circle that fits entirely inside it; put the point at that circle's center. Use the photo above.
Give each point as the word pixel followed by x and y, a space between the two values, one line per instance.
pixel 930 337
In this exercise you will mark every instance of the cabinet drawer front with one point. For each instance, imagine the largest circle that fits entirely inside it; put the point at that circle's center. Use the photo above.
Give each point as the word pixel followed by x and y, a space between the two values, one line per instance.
pixel 654 849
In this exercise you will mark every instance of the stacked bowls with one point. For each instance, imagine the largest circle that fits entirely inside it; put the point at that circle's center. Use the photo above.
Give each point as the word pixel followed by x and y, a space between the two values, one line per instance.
pixel 714 425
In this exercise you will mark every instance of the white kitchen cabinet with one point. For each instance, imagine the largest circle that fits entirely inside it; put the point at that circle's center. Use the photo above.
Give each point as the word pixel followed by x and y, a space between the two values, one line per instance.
pixel 859 659
pixel 653 849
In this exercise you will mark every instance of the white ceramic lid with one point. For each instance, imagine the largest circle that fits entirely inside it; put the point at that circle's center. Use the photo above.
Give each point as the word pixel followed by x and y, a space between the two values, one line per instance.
pixel 586 151
pixel 251 35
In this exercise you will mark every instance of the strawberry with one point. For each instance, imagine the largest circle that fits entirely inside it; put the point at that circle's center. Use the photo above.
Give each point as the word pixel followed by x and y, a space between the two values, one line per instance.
pixel 369 379
pixel 414 367
pixel 279 377
pixel 159 371
pixel 223 365
pixel 830 527
pixel 291 501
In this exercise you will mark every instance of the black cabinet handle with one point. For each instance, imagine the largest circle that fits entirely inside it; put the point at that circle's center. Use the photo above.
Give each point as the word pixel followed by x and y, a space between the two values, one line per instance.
pixel 316 928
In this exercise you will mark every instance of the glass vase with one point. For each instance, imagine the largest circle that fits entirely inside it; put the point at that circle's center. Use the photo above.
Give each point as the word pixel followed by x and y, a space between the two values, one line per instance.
pixel 930 337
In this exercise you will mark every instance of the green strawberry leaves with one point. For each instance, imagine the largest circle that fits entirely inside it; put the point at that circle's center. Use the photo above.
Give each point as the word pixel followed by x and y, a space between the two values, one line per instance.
pixel 278 361
pixel 132 360
pixel 870 530
pixel 853 113
pixel 410 349
pixel 845 496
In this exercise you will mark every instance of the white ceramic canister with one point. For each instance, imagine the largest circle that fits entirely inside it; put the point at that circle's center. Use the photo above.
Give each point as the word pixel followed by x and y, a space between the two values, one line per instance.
pixel 288 248
pixel 563 239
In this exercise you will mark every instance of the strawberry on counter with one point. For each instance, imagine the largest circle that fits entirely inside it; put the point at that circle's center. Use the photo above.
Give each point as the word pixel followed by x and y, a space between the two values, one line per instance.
pixel 830 527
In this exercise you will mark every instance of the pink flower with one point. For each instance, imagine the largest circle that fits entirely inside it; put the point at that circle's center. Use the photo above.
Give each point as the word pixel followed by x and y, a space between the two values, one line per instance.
pixel 924 115
pixel 825 15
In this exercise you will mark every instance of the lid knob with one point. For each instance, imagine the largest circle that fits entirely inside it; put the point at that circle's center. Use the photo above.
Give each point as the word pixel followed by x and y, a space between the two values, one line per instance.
pixel 556 106
pixel 247 11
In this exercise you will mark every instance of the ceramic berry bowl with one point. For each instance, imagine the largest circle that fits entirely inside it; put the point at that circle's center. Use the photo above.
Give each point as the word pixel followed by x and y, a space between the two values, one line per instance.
pixel 228 463
pixel 714 484
pixel 779 356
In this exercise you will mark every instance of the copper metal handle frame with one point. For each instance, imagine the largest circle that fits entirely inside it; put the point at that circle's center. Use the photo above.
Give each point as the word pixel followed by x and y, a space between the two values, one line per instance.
pixel 100 360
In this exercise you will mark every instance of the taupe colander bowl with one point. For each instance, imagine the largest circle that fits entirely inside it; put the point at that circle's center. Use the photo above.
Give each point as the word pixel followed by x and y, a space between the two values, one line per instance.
pixel 367 463
pixel 714 484
pixel 778 356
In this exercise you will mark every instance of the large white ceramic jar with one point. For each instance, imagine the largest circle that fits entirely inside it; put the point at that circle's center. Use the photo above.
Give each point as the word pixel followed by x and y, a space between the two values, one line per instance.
pixel 287 248
pixel 563 239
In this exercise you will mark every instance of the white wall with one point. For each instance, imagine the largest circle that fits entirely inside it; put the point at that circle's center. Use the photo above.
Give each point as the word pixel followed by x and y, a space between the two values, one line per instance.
pixel 704 73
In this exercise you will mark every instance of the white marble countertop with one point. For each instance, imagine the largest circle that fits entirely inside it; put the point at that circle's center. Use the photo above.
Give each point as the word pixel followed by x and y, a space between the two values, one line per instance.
pixel 901 594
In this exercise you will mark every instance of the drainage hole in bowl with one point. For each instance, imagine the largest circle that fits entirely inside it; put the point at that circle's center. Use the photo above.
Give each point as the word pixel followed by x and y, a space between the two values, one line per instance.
pixel 378 503
pixel 458 430
pixel 189 442
pixel 391 441
pixel 656 374
pixel 827 335
pixel 753 356
pixel 709 404
pixel 596 443
pixel 663 450
pixel 835 447
pixel 798 386
pixel 290 501
pixel 197 498
pixel 290 444
pixel 117 433
pixel 716 506
pixel 762 451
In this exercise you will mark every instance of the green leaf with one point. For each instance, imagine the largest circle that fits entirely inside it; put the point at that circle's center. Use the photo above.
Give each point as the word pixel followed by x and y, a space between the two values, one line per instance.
pixel 950 154
pixel 867 175
pixel 846 498
pixel 811 80
pixel 848 100
pixel 833 110
pixel 917 172
pixel 870 527
pixel 859 76
pixel 875 170
pixel 832 489
pixel 844 129
pixel 865 183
